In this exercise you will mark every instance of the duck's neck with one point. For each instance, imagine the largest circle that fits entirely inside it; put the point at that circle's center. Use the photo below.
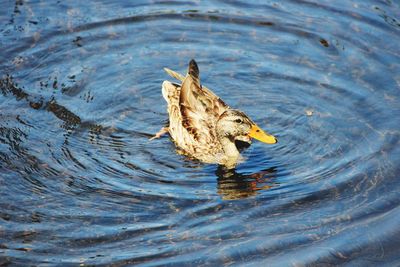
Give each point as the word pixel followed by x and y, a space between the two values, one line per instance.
pixel 231 152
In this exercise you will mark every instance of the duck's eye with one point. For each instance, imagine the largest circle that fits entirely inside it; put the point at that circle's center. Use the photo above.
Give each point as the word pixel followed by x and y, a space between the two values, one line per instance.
pixel 238 121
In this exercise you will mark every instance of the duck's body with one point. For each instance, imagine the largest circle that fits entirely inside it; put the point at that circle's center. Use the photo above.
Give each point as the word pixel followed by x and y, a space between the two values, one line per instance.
pixel 202 125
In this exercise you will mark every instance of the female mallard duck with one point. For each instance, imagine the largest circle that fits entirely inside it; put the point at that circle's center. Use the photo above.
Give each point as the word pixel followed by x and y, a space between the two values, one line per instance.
pixel 202 125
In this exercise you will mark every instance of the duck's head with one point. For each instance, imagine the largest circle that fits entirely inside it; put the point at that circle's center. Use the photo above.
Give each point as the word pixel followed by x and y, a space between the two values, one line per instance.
pixel 235 125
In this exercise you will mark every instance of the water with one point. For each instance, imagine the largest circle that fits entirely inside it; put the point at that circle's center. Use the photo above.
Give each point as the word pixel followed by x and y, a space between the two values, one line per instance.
pixel 81 94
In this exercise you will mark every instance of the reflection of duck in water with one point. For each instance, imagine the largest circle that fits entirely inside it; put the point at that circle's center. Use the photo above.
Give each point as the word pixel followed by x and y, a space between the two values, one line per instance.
pixel 202 125
pixel 233 185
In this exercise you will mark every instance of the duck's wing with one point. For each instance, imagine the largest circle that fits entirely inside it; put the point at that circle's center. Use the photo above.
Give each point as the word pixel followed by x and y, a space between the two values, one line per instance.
pixel 193 111
pixel 200 108
pixel 191 132
pixel 213 102
pixel 171 92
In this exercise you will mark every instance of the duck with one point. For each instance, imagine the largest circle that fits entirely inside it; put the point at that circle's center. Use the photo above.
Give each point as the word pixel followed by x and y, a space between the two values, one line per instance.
pixel 202 125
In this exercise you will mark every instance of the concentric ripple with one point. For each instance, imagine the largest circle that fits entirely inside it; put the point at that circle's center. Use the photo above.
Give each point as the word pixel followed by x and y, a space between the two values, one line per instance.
pixel 81 183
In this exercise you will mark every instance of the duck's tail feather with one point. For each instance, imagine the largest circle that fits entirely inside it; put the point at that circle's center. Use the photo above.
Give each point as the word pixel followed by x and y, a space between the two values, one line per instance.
pixel 174 74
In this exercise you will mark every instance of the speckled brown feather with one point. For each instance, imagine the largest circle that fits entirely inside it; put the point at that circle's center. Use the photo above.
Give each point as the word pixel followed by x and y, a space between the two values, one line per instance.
pixel 217 106
pixel 193 112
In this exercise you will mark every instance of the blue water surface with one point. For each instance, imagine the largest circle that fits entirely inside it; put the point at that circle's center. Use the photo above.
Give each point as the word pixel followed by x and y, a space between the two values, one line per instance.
pixel 81 184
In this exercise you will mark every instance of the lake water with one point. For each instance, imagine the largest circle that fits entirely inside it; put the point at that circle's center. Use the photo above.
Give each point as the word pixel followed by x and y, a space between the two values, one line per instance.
pixel 80 95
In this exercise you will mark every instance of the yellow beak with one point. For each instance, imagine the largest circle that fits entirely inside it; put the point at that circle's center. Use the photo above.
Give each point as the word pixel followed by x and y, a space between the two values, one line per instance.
pixel 260 135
